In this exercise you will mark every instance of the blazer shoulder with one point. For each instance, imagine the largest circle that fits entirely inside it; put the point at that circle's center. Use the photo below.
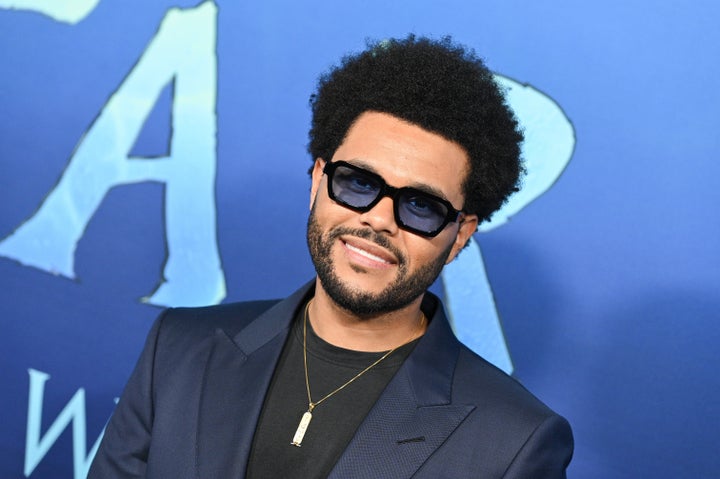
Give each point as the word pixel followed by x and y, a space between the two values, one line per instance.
pixel 501 393
pixel 528 435
pixel 200 321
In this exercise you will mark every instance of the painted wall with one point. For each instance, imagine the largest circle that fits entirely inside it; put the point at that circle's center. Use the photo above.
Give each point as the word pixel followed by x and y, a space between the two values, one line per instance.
pixel 153 153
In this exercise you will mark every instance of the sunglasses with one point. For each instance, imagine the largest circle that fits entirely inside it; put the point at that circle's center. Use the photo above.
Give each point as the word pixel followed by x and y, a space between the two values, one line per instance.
pixel 415 210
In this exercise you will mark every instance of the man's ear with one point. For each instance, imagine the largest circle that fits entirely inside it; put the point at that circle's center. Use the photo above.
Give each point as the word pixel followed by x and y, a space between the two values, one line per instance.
pixel 468 226
pixel 317 174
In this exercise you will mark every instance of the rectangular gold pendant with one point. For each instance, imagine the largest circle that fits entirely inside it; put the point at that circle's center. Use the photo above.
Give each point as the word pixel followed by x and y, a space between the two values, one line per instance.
pixel 302 427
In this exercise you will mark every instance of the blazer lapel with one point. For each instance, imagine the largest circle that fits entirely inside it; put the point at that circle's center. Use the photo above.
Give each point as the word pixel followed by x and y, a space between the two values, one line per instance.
pixel 414 416
pixel 237 375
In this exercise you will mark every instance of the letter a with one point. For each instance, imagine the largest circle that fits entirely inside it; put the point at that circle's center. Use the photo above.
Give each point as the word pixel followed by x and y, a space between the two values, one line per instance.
pixel 182 52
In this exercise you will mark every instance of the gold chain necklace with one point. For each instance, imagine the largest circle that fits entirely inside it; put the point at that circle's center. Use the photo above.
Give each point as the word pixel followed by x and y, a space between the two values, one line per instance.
pixel 305 420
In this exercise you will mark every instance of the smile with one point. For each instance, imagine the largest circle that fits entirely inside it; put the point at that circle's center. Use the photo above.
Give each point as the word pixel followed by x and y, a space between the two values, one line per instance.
pixel 368 253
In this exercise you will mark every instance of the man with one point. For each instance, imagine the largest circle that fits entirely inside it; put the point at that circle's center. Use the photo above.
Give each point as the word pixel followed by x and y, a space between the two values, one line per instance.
pixel 357 374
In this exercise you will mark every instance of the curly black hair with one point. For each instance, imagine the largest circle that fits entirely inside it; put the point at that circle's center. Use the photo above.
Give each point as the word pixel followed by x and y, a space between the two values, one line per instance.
pixel 438 85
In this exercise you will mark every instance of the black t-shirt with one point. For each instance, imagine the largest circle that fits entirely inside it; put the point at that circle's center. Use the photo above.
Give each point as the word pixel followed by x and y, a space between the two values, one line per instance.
pixel 334 421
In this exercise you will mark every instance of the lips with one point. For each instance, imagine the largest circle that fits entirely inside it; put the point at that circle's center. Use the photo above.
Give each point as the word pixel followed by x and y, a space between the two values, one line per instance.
pixel 368 252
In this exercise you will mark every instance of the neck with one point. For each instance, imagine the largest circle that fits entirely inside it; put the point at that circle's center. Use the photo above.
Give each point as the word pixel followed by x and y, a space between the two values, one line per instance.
pixel 383 332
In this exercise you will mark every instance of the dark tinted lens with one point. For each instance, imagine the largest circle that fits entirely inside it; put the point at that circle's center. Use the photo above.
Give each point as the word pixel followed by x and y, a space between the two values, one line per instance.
pixel 420 211
pixel 415 210
pixel 354 187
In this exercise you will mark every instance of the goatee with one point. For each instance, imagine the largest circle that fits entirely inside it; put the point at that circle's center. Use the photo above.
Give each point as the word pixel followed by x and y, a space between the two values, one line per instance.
pixel 406 287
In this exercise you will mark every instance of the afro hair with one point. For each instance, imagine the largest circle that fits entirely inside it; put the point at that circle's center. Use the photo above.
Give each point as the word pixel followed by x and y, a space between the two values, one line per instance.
pixel 437 85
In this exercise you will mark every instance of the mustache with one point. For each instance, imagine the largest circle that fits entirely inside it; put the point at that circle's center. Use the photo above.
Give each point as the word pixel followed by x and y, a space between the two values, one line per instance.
pixel 369 235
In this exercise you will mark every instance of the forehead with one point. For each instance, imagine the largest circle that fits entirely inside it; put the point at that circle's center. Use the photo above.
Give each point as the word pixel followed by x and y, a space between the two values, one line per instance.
pixel 405 154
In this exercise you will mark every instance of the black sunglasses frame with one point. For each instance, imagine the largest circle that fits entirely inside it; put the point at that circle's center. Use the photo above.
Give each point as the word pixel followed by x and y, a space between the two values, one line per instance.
pixel 392 192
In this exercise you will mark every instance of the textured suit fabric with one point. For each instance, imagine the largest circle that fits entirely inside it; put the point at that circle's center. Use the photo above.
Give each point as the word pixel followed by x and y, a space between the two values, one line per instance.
pixel 192 403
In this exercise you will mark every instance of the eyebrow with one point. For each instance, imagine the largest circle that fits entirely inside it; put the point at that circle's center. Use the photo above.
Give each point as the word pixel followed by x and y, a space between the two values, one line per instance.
pixel 431 190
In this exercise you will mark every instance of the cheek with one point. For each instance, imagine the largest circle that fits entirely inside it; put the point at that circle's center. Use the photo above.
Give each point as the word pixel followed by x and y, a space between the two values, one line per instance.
pixel 422 251
pixel 328 213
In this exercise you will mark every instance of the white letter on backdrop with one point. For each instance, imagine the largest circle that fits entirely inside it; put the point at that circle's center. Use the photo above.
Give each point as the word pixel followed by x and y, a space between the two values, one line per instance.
pixel 182 52
pixel 37 446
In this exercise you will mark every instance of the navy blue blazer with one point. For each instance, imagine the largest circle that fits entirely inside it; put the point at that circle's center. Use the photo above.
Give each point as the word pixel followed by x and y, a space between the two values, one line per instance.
pixel 192 403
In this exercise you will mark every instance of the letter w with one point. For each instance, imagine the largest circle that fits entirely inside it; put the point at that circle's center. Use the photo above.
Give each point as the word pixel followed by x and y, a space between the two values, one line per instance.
pixel 36 446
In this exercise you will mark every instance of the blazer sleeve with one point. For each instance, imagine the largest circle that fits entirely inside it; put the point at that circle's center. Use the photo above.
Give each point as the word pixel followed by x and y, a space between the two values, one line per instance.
pixel 123 451
pixel 546 454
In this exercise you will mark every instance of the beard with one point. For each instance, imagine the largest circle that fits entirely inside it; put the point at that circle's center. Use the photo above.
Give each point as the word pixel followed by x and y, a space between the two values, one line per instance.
pixel 407 286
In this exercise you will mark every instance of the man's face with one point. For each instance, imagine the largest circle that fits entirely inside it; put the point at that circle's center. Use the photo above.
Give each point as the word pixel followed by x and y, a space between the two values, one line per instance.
pixel 364 261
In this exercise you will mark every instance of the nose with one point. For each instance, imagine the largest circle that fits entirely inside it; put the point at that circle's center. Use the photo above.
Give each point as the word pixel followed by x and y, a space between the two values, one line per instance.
pixel 381 217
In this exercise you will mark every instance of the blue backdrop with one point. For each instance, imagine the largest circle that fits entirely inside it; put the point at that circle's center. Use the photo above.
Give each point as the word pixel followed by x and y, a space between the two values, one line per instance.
pixel 153 153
